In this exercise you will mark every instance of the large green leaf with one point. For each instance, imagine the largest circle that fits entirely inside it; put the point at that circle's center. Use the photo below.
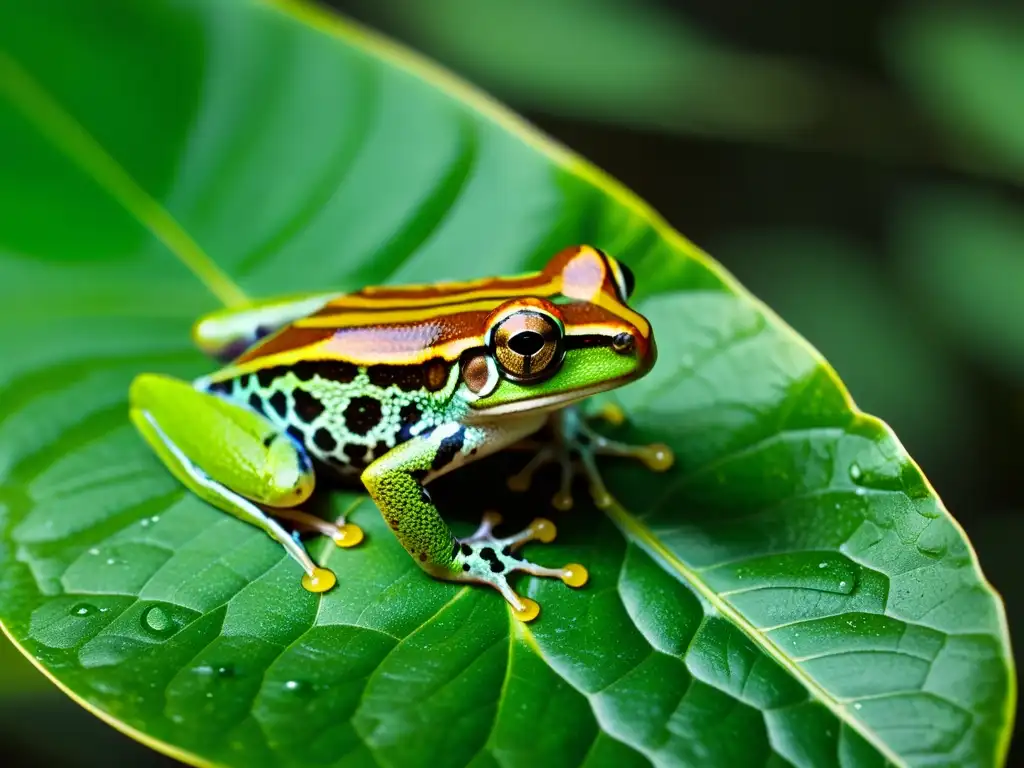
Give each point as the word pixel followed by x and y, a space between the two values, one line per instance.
pixel 793 592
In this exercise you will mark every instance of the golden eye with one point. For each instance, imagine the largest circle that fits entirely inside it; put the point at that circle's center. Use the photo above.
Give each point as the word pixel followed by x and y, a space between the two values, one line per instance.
pixel 528 346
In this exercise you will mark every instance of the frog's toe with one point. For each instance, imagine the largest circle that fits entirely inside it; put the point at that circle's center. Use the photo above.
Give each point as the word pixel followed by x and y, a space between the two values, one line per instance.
pixel 340 532
pixel 487 559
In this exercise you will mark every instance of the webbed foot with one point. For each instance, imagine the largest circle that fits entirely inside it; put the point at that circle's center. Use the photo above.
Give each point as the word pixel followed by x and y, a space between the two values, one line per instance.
pixel 573 434
pixel 487 559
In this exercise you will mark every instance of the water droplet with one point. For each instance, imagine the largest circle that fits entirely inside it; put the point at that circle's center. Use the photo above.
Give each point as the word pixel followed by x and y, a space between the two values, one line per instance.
pixel 111 561
pixel 298 687
pixel 225 671
pixel 932 549
pixel 204 669
pixel 156 619
pixel 155 519
pixel 144 522
pixel 83 609
pixel 858 705
pixel 94 551
pixel 826 573
pixel 855 472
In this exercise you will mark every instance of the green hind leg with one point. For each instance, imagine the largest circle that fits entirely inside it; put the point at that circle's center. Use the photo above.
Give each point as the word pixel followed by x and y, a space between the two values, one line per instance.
pixel 235 459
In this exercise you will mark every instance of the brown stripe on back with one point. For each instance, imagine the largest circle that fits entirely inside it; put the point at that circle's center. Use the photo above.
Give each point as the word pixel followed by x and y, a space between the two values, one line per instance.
pixel 286 340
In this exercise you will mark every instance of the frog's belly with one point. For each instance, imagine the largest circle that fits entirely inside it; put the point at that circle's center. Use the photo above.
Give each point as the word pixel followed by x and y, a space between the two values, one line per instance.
pixel 344 423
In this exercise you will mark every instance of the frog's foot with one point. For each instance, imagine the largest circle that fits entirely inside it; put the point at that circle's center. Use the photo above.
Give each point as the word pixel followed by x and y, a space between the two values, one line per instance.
pixel 487 559
pixel 343 534
pixel 573 434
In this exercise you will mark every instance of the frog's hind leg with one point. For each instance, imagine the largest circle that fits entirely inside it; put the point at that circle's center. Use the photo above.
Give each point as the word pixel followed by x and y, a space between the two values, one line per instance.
pixel 229 456
pixel 226 333
pixel 574 434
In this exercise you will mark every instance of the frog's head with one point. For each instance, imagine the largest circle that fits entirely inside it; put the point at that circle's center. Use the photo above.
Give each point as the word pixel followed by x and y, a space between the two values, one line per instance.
pixel 575 339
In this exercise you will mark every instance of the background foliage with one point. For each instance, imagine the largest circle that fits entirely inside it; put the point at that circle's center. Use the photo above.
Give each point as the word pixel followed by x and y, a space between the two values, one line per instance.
pixel 858 165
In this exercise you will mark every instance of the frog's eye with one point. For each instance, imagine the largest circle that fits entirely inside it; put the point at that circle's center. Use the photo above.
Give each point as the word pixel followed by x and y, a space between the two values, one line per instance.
pixel 528 345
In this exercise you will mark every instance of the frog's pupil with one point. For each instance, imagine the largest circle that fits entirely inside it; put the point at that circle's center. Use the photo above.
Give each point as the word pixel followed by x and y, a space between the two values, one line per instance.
pixel 526 343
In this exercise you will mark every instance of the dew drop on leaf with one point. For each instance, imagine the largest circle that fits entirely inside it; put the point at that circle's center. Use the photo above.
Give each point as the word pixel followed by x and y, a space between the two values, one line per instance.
pixel 83 609
pixel 156 619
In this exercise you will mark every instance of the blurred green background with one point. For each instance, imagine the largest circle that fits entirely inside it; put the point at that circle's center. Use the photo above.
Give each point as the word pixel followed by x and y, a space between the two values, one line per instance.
pixel 859 165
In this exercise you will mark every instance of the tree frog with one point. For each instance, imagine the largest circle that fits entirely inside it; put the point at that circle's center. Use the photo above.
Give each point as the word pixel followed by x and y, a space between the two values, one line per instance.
pixel 398 386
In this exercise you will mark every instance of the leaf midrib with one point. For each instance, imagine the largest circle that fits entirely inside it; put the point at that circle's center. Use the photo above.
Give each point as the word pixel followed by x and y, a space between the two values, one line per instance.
pixel 635 530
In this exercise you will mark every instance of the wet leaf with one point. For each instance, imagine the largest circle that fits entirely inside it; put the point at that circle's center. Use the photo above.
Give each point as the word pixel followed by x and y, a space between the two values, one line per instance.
pixel 793 592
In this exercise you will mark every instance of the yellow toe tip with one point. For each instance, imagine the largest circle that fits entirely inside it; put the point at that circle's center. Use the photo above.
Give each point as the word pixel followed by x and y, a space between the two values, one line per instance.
pixel 575 575
pixel 602 499
pixel 348 535
pixel 562 502
pixel 529 611
pixel 492 518
pixel 320 580
pixel 658 457
pixel 543 530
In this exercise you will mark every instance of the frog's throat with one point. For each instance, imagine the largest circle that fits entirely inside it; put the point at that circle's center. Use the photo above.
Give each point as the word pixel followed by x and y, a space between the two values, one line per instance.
pixel 547 403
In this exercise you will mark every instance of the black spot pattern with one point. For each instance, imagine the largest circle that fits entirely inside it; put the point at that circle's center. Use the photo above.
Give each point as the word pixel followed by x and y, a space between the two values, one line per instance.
pixel 466 549
pixel 449 448
pixel 307 407
pixel 324 440
pixel 256 403
pixel 297 434
pixel 279 402
pixel 406 377
pixel 488 554
pixel 408 417
pixel 223 387
pixel 330 370
pixel 267 376
pixel 362 414
pixel 356 455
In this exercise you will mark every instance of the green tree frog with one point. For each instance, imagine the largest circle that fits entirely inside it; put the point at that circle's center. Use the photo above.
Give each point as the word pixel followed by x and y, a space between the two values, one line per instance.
pixel 400 385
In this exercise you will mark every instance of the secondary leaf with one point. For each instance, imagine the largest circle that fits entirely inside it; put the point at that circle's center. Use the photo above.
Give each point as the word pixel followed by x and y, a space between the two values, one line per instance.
pixel 962 252
pixel 792 593
pixel 965 65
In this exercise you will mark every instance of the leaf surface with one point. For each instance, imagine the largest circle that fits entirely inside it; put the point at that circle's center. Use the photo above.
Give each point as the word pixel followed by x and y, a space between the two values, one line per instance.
pixel 792 593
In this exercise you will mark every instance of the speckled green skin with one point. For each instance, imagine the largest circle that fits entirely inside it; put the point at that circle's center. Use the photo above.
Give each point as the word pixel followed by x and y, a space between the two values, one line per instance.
pixel 376 422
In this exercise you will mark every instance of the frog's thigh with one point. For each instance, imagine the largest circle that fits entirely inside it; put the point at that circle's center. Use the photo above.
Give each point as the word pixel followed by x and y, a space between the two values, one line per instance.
pixel 225 454
pixel 232 444
pixel 227 333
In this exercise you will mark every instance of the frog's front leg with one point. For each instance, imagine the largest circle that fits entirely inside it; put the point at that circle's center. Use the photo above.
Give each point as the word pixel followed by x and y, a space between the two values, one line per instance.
pixel 571 433
pixel 397 480
pixel 233 458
